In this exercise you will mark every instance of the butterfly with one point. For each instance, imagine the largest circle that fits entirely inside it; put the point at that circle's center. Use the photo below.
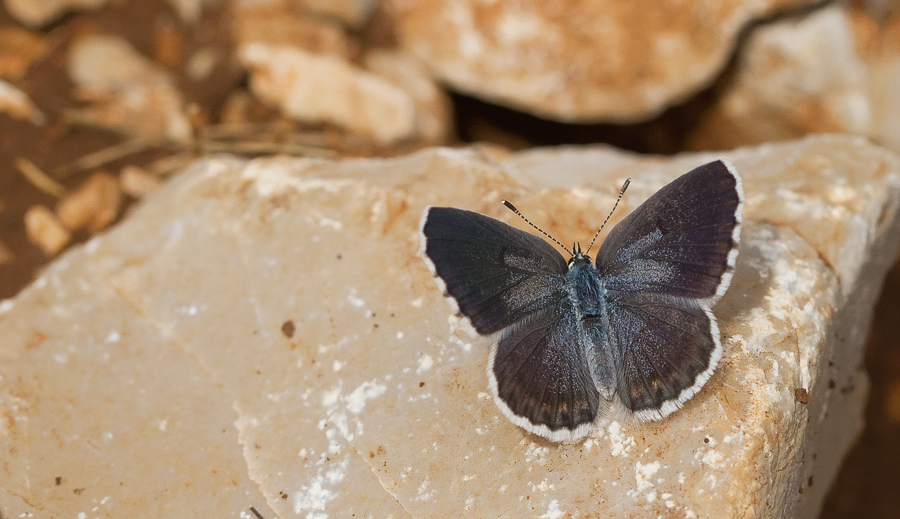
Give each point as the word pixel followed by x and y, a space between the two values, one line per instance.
pixel 572 338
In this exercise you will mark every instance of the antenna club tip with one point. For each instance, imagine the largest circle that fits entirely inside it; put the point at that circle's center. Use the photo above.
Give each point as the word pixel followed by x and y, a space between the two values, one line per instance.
pixel 509 205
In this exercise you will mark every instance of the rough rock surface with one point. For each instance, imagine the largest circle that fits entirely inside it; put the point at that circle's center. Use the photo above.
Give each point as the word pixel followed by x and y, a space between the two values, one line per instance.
pixel 836 69
pixel 577 60
pixel 263 333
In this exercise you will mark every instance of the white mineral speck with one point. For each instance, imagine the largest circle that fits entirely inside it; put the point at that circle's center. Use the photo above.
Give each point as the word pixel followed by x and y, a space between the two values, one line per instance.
pixel 356 400
pixel 425 363
pixel 330 397
pixel 643 473
pixel 355 301
pixel 553 511
pixel 619 443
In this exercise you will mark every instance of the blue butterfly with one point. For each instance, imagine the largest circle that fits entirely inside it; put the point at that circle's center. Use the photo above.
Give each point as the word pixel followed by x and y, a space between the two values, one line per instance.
pixel 573 336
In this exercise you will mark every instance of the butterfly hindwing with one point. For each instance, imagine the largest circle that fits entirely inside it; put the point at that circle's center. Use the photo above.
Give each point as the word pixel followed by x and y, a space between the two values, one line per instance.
pixel 497 274
pixel 540 374
pixel 666 350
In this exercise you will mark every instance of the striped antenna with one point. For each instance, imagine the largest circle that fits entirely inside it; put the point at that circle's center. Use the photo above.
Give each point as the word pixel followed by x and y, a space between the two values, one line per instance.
pixel 621 192
pixel 513 209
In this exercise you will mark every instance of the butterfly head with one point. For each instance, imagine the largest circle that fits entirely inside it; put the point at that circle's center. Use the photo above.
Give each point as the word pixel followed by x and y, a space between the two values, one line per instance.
pixel 578 258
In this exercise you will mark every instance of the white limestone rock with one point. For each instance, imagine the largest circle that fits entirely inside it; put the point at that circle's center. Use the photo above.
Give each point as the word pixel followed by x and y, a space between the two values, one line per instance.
pixel 263 333
pixel 836 69
pixel 434 114
pixel 577 60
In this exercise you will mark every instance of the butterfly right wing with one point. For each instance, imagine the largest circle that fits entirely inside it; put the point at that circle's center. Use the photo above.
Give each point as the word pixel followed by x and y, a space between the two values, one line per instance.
pixel 497 274
pixel 663 267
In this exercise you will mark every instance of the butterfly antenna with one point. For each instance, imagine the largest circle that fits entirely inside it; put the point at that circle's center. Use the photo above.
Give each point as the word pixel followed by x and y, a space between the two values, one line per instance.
pixel 513 209
pixel 621 192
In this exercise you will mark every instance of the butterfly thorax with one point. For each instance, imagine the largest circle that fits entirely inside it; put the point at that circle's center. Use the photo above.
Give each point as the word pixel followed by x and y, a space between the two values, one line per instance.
pixel 583 284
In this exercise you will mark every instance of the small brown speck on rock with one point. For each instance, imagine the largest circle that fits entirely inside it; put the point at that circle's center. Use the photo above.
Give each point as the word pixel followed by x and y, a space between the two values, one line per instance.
pixel 288 329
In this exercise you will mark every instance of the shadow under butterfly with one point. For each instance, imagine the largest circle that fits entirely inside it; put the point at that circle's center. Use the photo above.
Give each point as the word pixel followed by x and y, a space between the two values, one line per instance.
pixel 573 336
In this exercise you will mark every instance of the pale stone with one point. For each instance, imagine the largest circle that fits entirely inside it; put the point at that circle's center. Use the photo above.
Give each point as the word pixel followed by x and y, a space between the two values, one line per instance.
pixel 129 93
pixel 434 117
pixel 45 230
pixel 350 12
pixel 266 331
pixel 578 60
pixel 19 49
pixel 833 70
pixel 93 206
pixel 278 22
pixel 17 104
pixel 189 11
pixel 137 182
pixel 323 88
pixel 36 13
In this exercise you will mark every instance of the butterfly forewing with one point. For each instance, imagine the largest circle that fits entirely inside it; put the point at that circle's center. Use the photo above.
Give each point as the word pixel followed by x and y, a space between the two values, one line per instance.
pixel 496 273
pixel 679 242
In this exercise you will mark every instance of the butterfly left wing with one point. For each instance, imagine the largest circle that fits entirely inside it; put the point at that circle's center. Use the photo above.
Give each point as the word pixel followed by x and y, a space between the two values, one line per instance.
pixel 664 266
pixel 540 375
pixel 497 274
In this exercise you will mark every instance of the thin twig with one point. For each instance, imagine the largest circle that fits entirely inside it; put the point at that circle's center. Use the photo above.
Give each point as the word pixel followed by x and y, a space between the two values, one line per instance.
pixel 105 156
pixel 263 147
pixel 38 178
